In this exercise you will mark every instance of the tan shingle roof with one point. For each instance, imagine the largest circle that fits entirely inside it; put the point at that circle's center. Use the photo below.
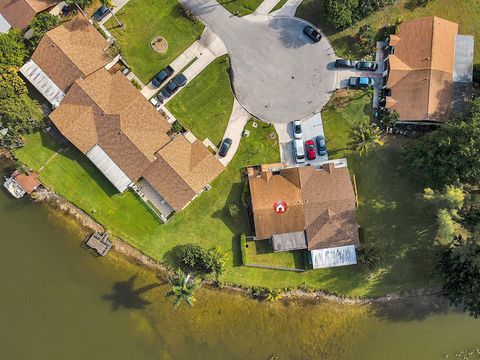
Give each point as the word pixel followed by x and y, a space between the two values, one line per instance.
pixel 321 202
pixel 130 133
pixel 20 12
pixel 421 70
pixel 192 162
pixel 71 51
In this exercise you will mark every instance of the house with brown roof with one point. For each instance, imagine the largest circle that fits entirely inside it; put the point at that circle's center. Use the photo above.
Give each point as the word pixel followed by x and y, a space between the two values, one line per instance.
pixel 429 70
pixel 306 208
pixel 69 52
pixel 18 13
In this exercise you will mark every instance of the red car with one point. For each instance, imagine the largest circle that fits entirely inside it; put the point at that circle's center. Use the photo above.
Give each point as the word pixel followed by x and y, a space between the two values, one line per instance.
pixel 311 154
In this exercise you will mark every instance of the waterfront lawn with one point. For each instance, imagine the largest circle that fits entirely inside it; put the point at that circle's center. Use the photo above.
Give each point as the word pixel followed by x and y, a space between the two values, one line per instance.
pixel 143 21
pixel 260 252
pixel 241 7
pixel 205 105
pixel 465 13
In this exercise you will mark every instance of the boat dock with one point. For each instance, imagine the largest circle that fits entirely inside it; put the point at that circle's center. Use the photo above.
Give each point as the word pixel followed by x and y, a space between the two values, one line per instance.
pixel 20 184
pixel 99 243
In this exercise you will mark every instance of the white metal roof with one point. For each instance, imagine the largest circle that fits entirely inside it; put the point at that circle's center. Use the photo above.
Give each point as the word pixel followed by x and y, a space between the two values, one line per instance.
pixel 4 25
pixel 331 257
pixel 463 66
pixel 42 83
pixel 108 168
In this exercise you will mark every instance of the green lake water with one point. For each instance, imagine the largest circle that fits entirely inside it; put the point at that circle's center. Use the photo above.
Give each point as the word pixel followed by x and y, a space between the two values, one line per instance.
pixel 59 302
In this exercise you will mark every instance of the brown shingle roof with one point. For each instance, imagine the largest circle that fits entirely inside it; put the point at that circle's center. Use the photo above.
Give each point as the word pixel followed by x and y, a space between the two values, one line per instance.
pixel 20 12
pixel 321 202
pixel 192 162
pixel 421 69
pixel 71 51
pixel 131 138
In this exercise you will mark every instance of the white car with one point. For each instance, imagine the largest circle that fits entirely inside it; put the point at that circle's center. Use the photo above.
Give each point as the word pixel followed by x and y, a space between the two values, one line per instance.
pixel 297 129
pixel 299 151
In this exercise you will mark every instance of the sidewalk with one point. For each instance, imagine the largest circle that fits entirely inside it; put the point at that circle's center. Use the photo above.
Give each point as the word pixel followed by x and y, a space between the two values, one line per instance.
pixel 266 6
pixel 236 124
pixel 118 4
pixel 205 50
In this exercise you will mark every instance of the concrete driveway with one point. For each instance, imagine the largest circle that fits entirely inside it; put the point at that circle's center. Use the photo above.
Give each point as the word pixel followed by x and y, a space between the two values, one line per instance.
pixel 279 75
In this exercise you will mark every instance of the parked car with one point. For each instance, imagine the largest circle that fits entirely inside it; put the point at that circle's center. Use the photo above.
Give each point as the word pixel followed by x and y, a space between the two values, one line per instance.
pixel 366 65
pixel 162 76
pixel 297 129
pixel 299 150
pixel 173 85
pixel 344 63
pixel 226 144
pixel 310 146
pixel 101 12
pixel 360 82
pixel 321 145
pixel 312 33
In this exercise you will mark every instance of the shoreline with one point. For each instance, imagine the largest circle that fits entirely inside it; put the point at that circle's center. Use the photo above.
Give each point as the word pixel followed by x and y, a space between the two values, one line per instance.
pixel 135 256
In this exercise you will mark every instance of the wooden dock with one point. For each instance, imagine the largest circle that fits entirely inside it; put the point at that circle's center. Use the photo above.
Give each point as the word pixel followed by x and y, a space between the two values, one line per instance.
pixel 99 243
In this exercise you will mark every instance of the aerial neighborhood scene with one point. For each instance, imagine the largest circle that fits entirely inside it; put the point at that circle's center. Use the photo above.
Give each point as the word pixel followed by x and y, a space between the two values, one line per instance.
pixel 251 179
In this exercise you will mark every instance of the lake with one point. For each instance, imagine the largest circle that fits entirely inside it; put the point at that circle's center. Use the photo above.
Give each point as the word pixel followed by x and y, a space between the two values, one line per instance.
pixel 60 302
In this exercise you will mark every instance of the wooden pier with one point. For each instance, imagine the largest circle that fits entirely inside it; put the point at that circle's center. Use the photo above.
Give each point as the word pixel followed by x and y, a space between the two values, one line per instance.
pixel 99 243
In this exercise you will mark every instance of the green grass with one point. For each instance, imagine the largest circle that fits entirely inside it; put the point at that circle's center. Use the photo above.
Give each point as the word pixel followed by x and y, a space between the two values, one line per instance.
pixel 205 105
pixel 241 7
pixel 145 19
pixel 465 13
pixel 279 5
pixel 390 215
pixel 260 252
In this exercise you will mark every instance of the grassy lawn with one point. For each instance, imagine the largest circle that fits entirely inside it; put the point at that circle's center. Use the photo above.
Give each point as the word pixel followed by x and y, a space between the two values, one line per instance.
pixel 279 5
pixel 241 7
pixel 465 13
pixel 260 252
pixel 205 105
pixel 145 19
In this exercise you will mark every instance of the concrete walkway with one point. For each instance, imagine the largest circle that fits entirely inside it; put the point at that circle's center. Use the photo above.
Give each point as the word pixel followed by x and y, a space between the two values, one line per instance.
pixel 118 4
pixel 266 6
pixel 236 124
pixel 205 50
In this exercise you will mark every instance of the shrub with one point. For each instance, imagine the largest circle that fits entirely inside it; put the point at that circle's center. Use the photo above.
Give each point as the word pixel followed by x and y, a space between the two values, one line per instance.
pixel 42 23
pixel 177 127
pixel 136 84
pixel 194 258
pixel 233 210
pixel 369 255
pixel 243 248
pixel 186 13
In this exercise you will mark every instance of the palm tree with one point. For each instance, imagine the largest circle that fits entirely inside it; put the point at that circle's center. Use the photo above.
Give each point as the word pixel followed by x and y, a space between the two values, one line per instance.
pixel 110 5
pixel 365 136
pixel 183 288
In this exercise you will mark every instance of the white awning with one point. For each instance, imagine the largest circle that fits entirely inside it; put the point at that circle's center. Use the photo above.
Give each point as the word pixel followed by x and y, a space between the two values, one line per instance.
pixel 108 168
pixel 42 83
pixel 4 25
pixel 331 257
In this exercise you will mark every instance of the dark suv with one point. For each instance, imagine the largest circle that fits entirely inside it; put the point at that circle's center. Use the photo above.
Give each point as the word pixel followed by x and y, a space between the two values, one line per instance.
pixel 367 65
pixel 225 147
pixel 173 85
pixel 344 63
pixel 162 76
pixel 312 33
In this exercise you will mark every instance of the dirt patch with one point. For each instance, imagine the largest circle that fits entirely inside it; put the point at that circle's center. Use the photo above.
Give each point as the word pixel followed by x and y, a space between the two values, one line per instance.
pixel 159 45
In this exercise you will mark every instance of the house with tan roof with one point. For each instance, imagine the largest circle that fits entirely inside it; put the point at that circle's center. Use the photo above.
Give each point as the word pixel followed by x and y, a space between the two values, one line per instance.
pixel 308 208
pixel 429 70
pixel 18 13
pixel 69 52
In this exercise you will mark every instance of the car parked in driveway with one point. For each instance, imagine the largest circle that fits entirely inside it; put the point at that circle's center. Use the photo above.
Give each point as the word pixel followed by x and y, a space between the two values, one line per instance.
pixel 312 33
pixel 299 151
pixel 360 82
pixel 366 65
pixel 321 145
pixel 344 63
pixel 101 12
pixel 162 76
pixel 297 129
pixel 173 85
pixel 226 144
pixel 310 146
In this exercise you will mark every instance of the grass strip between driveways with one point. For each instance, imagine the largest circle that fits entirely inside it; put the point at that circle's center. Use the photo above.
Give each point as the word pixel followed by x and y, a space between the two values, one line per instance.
pixel 241 7
pixel 205 105
pixel 145 20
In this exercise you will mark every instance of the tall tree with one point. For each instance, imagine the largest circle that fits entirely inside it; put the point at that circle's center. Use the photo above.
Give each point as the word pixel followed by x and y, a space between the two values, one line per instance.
pixel 365 136
pixel 183 288
pixel 13 51
pixel 42 23
pixel 460 271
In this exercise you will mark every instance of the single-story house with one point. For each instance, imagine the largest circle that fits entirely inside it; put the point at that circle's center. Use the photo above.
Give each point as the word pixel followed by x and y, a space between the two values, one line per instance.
pixel 18 13
pixel 71 51
pixel 429 70
pixel 306 208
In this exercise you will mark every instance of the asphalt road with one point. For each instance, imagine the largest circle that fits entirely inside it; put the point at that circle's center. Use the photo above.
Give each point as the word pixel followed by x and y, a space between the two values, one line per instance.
pixel 279 75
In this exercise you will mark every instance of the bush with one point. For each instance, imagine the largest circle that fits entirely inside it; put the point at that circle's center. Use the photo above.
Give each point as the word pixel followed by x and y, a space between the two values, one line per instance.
pixel 177 127
pixel 195 259
pixel 243 248
pixel 42 23
pixel 186 13
pixel 369 255
pixel 233 210
pixel 136 84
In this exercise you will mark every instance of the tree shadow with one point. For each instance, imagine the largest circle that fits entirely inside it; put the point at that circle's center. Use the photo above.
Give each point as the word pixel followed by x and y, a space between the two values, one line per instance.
pixel 288 32
pixel 125 295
